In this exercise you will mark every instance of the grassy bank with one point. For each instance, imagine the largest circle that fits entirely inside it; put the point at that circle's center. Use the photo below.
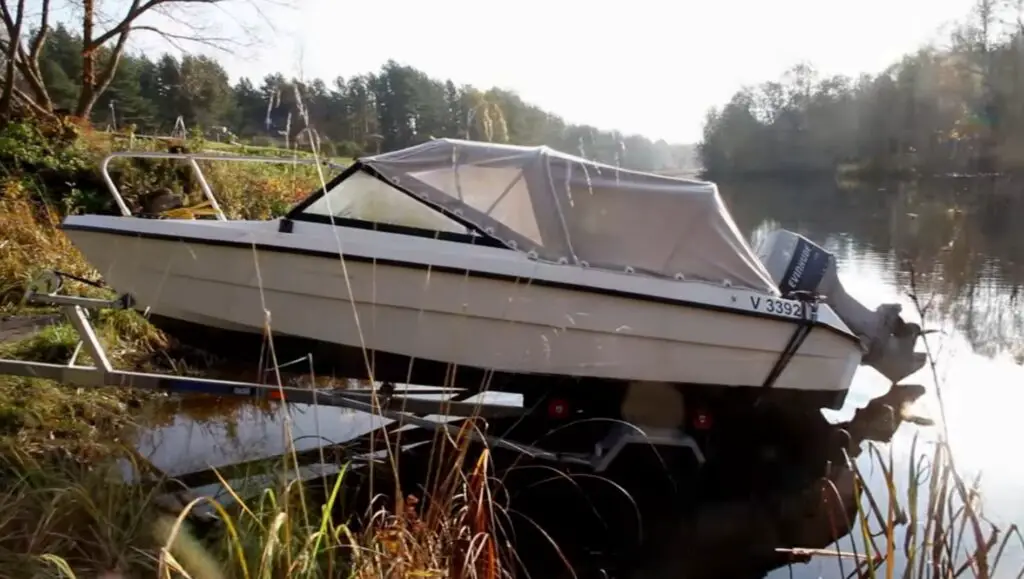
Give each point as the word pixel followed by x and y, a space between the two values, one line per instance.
pixel 52 170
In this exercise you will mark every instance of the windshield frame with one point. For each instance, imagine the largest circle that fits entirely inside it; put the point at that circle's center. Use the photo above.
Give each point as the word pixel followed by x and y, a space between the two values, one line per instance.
pixel 476 235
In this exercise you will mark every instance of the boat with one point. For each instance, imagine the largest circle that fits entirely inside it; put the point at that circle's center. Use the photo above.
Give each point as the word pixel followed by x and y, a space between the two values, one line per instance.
pixel 592 290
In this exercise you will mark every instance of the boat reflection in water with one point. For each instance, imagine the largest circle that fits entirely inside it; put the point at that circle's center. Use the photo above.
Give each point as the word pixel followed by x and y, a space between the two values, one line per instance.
pixel 653 516
pixel 743 520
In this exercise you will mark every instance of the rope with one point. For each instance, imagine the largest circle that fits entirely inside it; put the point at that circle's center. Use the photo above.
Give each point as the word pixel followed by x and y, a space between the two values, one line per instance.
pixel 94 283
pixel 809 316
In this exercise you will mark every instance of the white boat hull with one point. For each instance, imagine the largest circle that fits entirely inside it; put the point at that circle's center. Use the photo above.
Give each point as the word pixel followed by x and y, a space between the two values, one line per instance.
pixel 436 314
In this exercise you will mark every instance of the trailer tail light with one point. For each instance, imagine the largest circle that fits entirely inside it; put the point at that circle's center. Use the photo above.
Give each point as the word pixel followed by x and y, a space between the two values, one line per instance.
pixel 702 420
pixel 558 408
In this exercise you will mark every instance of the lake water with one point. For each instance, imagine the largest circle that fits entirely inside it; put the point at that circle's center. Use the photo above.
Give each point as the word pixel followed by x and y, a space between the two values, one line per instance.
pixel 958 242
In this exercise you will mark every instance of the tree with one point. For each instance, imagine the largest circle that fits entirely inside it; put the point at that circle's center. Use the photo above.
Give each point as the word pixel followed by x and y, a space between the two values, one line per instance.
pixel 59 67
pixel 394 107
pixel 484 114
pixel 23 58
pixel 12 29
pixel 204 92
pixel 101 49
pixel 943 109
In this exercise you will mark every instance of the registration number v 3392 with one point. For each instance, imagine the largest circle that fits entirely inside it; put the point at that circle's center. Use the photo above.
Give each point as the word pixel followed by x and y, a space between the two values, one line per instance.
pixel 776 306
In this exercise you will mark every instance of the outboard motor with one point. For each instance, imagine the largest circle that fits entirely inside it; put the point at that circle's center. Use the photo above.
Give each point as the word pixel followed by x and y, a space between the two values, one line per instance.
pixel 799 266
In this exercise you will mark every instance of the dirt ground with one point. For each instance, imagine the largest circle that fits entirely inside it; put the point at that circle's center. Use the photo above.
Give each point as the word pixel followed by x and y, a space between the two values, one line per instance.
pixel 14 328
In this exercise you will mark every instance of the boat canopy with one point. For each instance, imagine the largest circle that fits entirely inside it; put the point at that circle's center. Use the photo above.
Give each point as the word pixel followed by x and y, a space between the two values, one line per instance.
pixel 570 210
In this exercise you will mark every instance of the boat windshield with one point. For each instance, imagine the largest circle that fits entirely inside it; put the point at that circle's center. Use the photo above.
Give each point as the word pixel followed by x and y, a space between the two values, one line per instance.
pixel 365 197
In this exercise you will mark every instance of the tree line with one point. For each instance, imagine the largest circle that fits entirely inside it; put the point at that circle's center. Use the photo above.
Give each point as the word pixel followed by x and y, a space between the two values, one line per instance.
pixel 394 107
pixel 957 108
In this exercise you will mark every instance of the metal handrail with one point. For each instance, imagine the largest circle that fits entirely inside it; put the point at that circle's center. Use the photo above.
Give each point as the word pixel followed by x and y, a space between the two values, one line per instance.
pixel 193 160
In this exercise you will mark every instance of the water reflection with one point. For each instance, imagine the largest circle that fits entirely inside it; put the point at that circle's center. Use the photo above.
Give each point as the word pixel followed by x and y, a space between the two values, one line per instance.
pixel 732 520
pixel 953 242
pixel 955 237
pixel 186 436
pixel 214 433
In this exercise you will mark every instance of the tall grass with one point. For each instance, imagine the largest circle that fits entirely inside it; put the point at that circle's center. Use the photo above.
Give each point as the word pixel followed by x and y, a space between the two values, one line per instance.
pixel 282 533
pixel 30 243
pixel 928 524
pixel 77 520
pixel 926 521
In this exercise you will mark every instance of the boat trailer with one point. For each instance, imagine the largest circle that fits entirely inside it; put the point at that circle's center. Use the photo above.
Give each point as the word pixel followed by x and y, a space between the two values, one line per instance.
pixel 401 405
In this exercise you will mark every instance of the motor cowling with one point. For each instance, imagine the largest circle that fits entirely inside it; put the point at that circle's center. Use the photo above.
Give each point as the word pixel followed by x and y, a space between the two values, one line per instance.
pixel 801 267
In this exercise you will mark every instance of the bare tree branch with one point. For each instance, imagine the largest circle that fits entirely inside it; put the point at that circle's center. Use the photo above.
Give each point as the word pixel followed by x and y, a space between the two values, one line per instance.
pixel 8 19
pixel 29 69
pixel 92 87
pixel 138 9
pixel 115 59
pixel 30 103
pixel 27 63
pixel 27 101
pixel 14 42
pixel 104 41
pixel 217 43
pixel 40 38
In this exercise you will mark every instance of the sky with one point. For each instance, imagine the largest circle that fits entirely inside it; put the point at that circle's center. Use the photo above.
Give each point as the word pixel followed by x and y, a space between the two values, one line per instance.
pixel 652 67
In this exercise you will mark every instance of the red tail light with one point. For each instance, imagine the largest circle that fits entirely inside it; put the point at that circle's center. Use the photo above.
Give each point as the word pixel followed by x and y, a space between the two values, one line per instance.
pixel 558 408
pixel 702 420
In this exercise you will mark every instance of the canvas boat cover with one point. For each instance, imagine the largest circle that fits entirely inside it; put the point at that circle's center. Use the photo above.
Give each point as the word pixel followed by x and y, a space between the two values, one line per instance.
pixel 571 210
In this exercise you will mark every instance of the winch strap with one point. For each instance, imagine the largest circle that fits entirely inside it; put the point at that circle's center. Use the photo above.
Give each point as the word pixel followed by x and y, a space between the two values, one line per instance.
pixel 807 321
pixel 94 283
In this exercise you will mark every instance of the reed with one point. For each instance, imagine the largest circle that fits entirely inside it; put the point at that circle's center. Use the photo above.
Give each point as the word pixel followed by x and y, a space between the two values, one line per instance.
pixel 73 520
pixel 924 518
